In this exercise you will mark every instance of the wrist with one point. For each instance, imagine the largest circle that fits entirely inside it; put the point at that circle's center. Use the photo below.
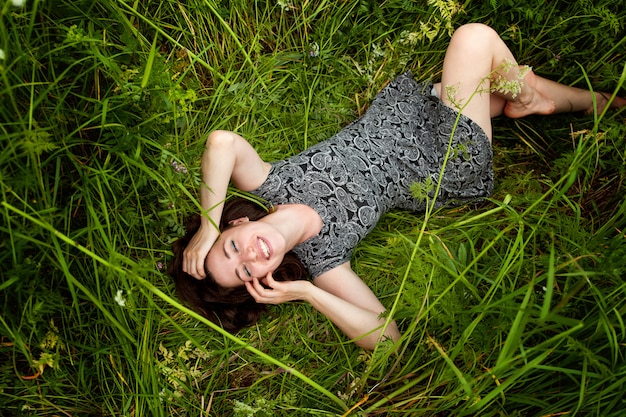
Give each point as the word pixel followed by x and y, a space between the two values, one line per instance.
pixel 308 291
pixel 207 227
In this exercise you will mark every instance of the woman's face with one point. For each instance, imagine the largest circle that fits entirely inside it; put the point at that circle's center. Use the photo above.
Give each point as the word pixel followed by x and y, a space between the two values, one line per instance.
pixel 248 249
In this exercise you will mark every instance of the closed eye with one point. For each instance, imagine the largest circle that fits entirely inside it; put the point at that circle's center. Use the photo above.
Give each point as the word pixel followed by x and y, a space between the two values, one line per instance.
pixel 246 271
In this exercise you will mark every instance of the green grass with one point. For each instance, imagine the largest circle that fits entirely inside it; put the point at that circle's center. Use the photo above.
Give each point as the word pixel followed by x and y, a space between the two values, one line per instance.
pixel 514 307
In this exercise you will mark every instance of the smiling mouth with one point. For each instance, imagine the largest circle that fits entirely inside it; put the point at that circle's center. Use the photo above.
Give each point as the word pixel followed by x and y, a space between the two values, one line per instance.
pixel 265 248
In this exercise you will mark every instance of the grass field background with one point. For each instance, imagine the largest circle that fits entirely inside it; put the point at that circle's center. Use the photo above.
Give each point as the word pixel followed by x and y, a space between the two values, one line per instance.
pixel 514 307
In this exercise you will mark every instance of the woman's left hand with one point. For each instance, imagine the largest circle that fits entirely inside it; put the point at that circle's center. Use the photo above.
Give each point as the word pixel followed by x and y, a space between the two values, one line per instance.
pixel 276 292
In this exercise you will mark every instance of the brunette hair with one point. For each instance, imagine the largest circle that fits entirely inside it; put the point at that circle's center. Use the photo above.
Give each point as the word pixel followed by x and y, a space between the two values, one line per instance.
pixel 232 308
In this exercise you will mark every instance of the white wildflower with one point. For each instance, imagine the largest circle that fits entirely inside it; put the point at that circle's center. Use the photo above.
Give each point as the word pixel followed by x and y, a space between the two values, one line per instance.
pixel 18 3
pixel 451 91
pixel 2 55
pixel 45 359
pixel 284 5
pixel 410 38
pixel 119 298
pixel 377 51
pixel 49 341
pixel 523 70
pixel 314 49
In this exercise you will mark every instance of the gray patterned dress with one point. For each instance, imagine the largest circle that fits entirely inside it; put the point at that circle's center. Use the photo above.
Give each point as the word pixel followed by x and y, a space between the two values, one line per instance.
pixel 368 168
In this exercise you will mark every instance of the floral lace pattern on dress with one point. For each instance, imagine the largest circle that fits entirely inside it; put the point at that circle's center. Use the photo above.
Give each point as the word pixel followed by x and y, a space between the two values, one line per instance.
pixel 368 168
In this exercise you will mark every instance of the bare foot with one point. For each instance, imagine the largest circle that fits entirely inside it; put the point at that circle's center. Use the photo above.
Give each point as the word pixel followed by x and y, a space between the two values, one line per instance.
pixel 601 101
pixel 529 101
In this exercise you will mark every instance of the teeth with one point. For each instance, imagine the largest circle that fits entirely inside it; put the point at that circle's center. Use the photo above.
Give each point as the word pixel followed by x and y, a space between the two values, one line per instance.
pixel 264 248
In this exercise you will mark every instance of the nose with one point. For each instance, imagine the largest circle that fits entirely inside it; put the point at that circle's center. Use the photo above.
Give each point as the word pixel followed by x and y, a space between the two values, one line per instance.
pixel 250 254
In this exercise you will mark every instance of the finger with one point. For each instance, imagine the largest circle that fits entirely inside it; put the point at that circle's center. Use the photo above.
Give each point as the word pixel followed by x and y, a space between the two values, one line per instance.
pixel 188 263
pixel 200 274
pixel 256 283
pixel 266 295
pixel 269 279
pixel 188 268
pixel 250 289
pixel 253 292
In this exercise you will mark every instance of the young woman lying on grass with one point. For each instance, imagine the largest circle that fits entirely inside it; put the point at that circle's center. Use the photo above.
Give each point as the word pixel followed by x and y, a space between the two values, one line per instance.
pixel 327 198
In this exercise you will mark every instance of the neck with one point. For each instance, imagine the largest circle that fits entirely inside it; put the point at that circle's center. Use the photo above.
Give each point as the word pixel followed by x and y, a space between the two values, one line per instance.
pixel 296 222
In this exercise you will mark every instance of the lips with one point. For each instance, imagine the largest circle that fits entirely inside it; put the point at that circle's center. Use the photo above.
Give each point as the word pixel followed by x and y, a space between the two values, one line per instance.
pixel 264 247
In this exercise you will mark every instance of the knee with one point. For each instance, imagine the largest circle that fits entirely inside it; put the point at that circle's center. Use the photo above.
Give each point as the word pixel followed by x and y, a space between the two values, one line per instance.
pixel 475 34
pixel 219 138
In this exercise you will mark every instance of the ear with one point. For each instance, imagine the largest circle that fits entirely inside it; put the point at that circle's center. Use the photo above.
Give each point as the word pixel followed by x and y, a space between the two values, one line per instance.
pixel 239 221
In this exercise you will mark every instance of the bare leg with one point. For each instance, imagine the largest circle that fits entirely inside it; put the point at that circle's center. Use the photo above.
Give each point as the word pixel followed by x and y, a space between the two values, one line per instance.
pixel 476 55
pixel 566 98
pixel 496 103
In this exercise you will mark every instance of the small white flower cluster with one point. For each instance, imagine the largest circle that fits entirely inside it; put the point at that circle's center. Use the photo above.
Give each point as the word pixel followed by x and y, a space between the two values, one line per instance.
pixel 179 367
pixel 2 55
pixel 410 38
pixel 439 22
pixel 512 87
pixel 314 50
pixel 377 51
pixel 376 58
pixel 284 5
pixel 50 345
pixel 451 92
pixel 119 298
pixel 351 390
pixel 261 405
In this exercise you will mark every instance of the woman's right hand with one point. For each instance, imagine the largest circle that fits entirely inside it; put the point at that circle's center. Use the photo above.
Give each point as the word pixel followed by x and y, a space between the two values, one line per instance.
pixel 227 157
pixel 196 252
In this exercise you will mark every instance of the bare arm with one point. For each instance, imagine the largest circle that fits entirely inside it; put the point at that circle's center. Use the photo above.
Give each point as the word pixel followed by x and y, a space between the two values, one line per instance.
pixel 227 157
pixel 341 296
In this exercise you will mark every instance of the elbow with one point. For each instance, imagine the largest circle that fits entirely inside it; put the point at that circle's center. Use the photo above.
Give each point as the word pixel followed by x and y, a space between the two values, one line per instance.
pixel 370 341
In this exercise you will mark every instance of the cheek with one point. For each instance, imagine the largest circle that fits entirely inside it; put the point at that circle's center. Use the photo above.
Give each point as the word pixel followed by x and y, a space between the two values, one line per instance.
pixel 216 268
pixel 275 265
pixel 226 280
